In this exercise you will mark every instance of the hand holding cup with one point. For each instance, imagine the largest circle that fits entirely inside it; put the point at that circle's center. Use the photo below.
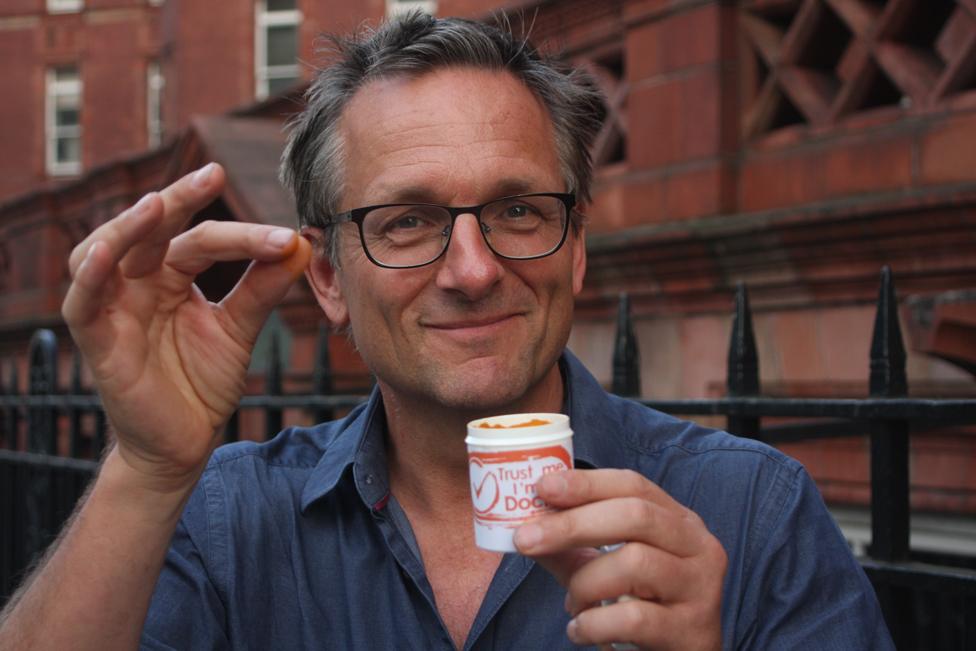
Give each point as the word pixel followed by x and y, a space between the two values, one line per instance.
pixel 670 565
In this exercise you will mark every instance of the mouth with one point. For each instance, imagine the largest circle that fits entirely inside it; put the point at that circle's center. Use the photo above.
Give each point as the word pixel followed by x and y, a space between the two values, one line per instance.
pixel 477 330
pixel 477 323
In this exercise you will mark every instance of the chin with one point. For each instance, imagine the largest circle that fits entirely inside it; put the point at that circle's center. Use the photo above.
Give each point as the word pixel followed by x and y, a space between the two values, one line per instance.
pixel 480 399
pixel 481 384
pixel 468 389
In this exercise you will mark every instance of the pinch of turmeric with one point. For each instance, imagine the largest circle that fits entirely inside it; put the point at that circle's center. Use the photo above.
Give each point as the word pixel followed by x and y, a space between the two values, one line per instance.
pixel 535 422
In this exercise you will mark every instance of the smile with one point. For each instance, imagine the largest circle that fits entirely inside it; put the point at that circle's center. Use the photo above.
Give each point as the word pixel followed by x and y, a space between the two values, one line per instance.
pixel 471 323
pixel 479 327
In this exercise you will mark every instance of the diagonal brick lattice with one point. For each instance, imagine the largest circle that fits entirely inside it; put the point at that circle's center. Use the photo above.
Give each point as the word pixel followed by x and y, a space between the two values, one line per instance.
pixel 815 62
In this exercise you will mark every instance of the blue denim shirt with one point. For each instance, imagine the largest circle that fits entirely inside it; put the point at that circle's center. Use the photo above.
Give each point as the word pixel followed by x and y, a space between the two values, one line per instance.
pixel 297 543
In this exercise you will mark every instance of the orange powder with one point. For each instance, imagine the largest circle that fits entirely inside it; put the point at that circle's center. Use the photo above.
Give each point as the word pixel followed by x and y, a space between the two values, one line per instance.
pixel 535 422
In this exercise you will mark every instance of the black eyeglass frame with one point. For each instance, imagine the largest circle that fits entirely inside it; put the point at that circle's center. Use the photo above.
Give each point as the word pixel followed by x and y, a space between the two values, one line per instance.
pixel 358 215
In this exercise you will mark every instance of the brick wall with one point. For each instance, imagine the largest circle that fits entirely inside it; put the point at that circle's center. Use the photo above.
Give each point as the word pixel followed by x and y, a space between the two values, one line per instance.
pixel 110 42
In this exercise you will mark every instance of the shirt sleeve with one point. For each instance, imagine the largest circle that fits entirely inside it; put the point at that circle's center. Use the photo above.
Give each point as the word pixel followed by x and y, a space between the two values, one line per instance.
pixel 807 591
pixel 186 611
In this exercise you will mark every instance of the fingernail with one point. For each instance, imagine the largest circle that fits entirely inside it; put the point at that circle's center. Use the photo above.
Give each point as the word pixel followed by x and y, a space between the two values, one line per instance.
pixel 572 631
pixel 87 259
pixel 528 536
pixel 567 605
pixel 142 205
pixel 201 175
pixel 280 237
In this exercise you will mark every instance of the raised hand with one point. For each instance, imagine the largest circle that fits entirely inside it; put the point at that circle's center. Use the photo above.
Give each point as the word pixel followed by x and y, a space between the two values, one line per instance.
pixel 670 568
pixel 168 364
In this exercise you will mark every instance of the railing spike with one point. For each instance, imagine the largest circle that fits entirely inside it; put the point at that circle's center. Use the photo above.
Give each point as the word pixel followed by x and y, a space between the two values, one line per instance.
pixel 42 355
pixel 322 383
pixel 626 356
pixel 742 374
pixel 13 381
pixel 888 377
pixel 6 435
pixel 890 474
pixel 74 413
pixel 274 366
pixel 232 430
pixel 14 415
pixel 100 435
pixel 743 370
pixel 274 419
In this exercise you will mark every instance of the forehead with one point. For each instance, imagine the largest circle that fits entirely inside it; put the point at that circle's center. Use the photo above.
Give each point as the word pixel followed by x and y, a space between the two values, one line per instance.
pixel 455 134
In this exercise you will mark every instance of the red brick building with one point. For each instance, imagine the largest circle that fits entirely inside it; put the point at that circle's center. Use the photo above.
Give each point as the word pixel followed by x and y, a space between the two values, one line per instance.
pixel 796 145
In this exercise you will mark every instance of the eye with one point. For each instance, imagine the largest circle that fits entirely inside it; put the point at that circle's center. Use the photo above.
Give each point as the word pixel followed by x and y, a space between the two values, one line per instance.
pixel 515 211
pixel 409 220
pixel 406 223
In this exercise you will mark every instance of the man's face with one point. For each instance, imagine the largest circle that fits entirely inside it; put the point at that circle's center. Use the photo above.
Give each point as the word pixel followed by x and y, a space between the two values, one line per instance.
pixel 470 331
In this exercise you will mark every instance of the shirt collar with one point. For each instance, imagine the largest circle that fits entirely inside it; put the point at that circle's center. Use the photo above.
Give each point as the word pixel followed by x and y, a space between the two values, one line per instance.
pixel 360 443
pixel 597 436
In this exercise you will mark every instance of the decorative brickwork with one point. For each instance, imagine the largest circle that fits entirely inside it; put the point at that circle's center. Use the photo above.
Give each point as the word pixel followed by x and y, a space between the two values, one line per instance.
pixel 610 145
pixel 818 61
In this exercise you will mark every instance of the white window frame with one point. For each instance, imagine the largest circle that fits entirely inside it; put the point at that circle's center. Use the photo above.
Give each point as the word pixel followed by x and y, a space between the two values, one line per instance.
pixel 930 532
pixel 64 6
pixel 397 7
pixel 54 132
pixel 155 85
pixel 263 20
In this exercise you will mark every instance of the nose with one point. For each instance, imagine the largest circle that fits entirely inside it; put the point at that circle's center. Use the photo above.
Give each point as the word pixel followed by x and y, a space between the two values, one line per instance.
pixel 468 266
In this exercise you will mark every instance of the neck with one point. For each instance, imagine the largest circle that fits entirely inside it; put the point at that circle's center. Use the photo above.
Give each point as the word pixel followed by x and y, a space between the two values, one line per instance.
pixel 426 453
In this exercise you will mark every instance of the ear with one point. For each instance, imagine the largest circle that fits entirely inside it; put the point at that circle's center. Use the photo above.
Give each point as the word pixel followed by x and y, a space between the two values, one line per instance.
pixel 578 244
pixel 324 280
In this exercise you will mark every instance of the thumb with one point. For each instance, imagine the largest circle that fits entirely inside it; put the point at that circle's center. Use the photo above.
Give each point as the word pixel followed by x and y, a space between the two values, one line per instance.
pixel 262 287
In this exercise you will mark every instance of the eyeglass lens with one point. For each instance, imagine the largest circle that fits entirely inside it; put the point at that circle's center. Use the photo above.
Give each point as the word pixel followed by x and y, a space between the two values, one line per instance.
pixel 519 227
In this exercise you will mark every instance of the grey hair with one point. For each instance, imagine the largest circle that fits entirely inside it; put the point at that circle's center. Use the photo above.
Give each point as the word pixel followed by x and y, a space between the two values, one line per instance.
pixel 411 45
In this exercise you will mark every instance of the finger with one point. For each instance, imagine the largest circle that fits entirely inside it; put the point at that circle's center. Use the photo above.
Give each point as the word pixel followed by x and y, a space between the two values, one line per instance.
pixel 563 565
pixel 634 621
pixel 121 233
pixel 611 521
pixel 84 299
pixel 197 249
pixel 575 487
pixel 636 570
pixel 262 287
pixel 180 201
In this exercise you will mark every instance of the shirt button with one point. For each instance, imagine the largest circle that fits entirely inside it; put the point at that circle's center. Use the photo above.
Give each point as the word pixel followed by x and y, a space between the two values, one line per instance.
pixel 369 479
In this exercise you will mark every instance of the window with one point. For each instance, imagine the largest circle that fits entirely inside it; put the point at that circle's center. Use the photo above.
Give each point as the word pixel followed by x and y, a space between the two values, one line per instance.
pixel 394 7
pixel 155 82
pixel 64 6
pixel 63 121
pixel 276 46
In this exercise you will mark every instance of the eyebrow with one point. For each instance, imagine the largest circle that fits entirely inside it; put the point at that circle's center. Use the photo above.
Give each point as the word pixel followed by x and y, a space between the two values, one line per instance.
pixel 424 194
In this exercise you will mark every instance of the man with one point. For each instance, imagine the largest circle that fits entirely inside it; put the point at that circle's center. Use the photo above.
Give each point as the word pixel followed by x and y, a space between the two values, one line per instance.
pixel 358 533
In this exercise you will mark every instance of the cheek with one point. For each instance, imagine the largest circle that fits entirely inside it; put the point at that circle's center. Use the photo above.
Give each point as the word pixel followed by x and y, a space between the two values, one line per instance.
pixel 380 302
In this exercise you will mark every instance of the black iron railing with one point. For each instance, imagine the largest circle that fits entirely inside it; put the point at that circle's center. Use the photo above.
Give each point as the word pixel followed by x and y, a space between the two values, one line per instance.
pixel 926 606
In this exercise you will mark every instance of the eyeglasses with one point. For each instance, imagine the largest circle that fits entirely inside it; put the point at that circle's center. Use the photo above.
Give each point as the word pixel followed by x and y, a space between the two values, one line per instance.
pixel 404 235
